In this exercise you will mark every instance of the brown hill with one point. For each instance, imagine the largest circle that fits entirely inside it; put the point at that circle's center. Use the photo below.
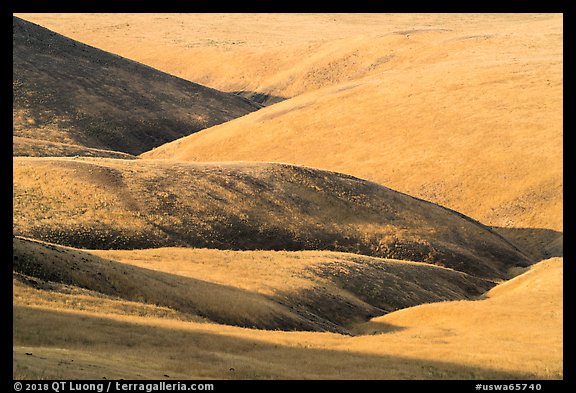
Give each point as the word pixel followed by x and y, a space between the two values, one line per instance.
pixel 41 148
pixel 522 317
pixel 66 92
pixel 283 55
pixel 124 204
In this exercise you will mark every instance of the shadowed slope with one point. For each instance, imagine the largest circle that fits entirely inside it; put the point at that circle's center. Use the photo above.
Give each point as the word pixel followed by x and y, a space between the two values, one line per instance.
pixel 102 346
pixel 69 92
pixel 318 291
pixel 41 148
pixel 516 338
pixel 520 318
pixel 123 204
pixel 537 243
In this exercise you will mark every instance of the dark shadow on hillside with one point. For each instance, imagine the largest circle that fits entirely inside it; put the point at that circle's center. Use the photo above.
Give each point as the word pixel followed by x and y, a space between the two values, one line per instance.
pixel 538 243
pixel 244 358
pixel 371 289
pixel 280 207
pixel 216 302
pixel 260 98
pixel 93 98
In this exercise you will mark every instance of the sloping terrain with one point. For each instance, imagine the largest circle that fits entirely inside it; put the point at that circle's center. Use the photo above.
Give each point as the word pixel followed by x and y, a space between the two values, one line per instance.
pixel 282 55
pixel 524 311
pixel 70 93
pixel 255 248
pixel 466 116
pixel 41 148
pixel 506 336
pixel 103 203
pixel 318 291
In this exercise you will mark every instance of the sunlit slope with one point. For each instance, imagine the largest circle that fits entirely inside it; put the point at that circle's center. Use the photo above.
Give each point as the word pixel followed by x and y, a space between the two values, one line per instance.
pixel 514 334
pixel 282 55
pixel 519 319
pixel 70 93
pixel 469 121
pixel 307 290
pixel 126 204
pixel 31 147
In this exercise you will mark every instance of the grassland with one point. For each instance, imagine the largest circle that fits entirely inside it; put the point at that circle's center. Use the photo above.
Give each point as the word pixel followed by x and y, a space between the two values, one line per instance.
pixel 345 196
pixel 483 339
pixel 102 203
pixel 308 290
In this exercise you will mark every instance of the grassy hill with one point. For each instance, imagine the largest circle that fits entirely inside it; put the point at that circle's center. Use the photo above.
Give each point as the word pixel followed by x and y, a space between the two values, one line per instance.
pixel 284 55
pixel 103 203
pixel 66 332
pixel 66 92
pixel 526 311
pixel 465 115
pixel 379 215
pixel 307 290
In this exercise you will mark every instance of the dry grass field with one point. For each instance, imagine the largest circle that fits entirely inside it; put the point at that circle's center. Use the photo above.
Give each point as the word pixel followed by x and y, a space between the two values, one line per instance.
pixel 307 290
pixel 110 203
pixel 446 107
pixel 483 339
pixel 288 196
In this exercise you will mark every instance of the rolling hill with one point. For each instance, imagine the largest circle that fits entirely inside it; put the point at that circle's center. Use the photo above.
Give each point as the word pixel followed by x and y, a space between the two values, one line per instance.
pixel 282 55
pixel 466 116
pixel 524 311
pixel 69 333
pixel 287 196
pixel 306 290
pixel 74 99
pixel 100 203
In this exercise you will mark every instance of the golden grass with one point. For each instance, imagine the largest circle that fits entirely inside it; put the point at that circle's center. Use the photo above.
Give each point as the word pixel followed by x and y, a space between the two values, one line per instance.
pixel 125 204
pixel 34 147
pixel 43 294
pixel 519 319
pixel 468 114
pixel 279 54
pixel 461 110
pixel 307 290
pixel 522 340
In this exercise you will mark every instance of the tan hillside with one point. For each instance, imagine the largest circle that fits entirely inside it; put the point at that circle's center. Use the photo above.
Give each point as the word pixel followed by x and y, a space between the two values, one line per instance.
pixel 287 196
pixel 468 116
pixel 526 311
pixel 40 148
pixel 307 290
pixel 103 203
pixel 509 335
pixel 276 55
pixel 68 93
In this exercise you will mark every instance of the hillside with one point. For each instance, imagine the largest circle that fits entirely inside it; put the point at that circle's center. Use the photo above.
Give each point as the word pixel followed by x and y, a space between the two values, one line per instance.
pixel 308 290
pixel 466 116
pixel 102 203
pixel 287 196
pixel 31 147
pixel 524 311
pixel 69 93
pixel 282 55
pixel 64 332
